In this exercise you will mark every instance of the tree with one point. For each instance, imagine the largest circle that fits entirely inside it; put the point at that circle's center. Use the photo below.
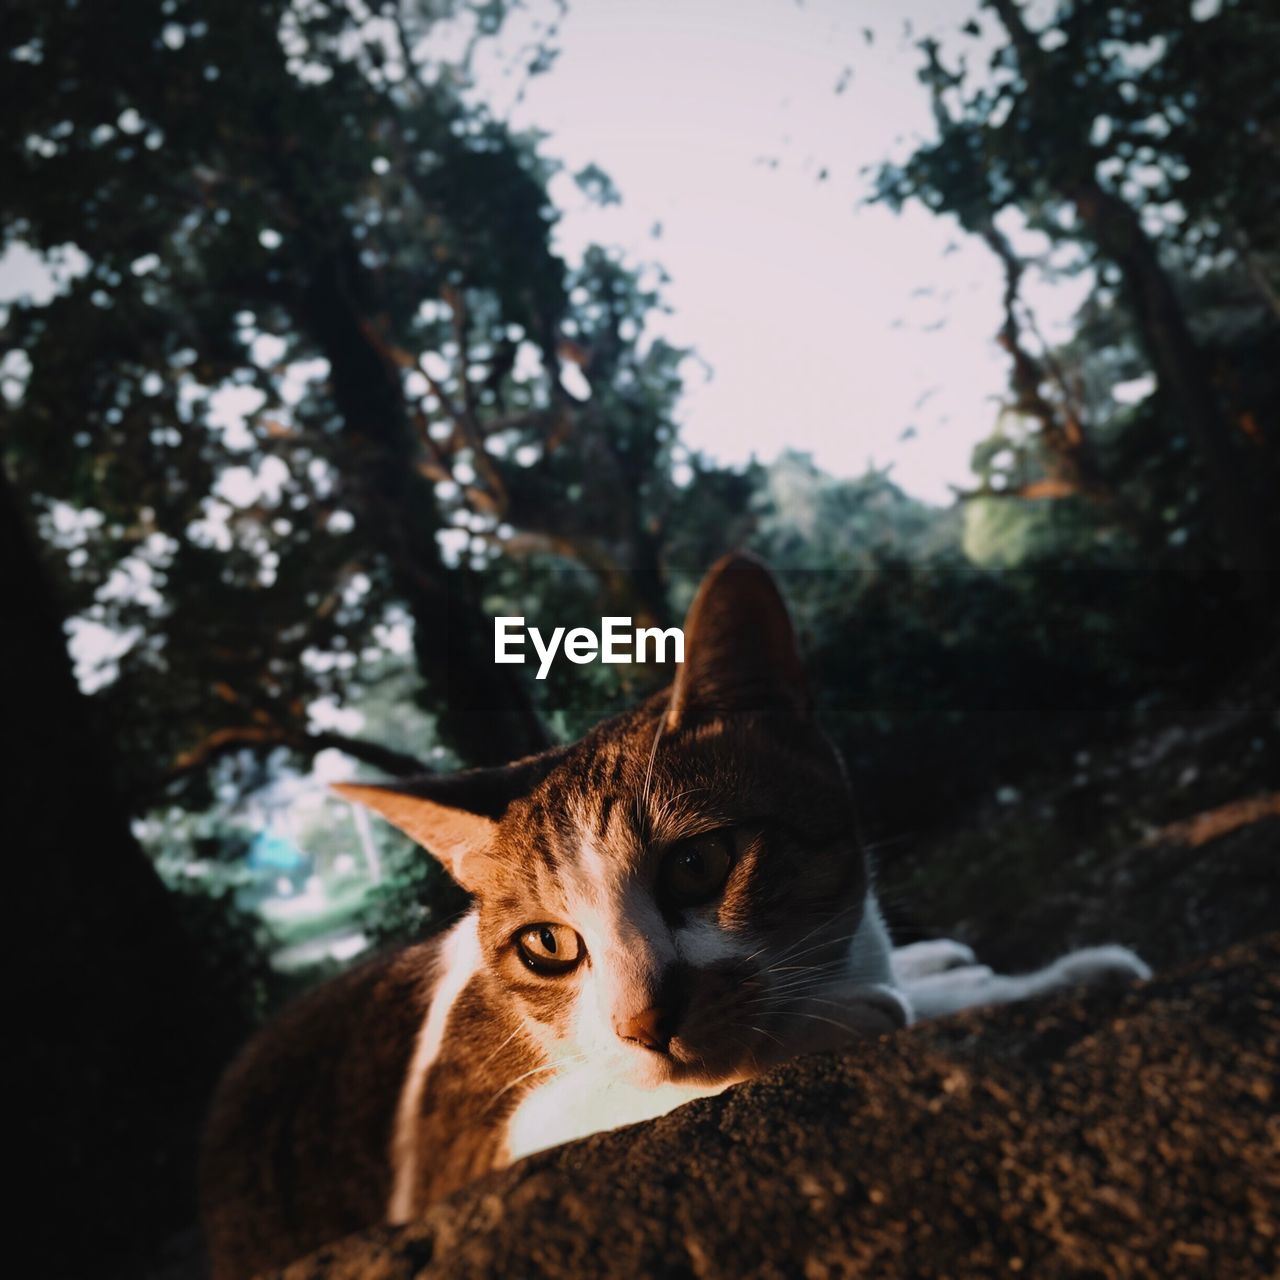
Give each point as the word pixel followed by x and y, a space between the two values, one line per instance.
pixel 122 1026
pixel 291 210
pixel 1095 137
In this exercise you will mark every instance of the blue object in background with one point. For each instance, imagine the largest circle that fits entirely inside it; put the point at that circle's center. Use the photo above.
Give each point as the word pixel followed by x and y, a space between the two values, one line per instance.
pixel 274 861
pixel 272 852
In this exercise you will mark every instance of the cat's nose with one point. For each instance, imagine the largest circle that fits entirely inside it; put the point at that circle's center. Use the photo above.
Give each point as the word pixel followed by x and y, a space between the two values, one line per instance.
pixel 652 1028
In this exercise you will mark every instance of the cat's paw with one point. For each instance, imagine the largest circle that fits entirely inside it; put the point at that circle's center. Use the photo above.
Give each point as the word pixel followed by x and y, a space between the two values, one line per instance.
pixel 1111 963
pixel 935 955
pixel 935 995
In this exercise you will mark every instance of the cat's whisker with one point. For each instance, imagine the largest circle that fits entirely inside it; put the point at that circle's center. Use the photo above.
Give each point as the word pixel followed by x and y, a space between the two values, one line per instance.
pixel 648 774
pixel 760 950
pixel 791 995
pixel 799 985
pixel 817 981
pixel 797 949
pixel 783 999
pixel 572 1060
pixel 835 1004
pixel 817 1017
pixel 824 968
pixel 788 1000
pixel 842 943
pixel 791 1010
pixel 748 1049
pixel 789 953
pixel 485 1062
pixel 803 972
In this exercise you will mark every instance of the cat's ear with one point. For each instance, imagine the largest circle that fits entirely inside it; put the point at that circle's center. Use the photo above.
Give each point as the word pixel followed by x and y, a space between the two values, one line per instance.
pixel 453 816
pixel 740 648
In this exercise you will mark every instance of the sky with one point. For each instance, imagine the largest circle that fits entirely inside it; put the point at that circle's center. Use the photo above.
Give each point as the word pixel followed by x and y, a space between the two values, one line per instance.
pixel 738 133
pixel 859 335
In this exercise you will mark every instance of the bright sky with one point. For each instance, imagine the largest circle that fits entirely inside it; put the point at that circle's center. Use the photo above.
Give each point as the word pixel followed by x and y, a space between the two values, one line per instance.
pixel 715 118
pixel 851 332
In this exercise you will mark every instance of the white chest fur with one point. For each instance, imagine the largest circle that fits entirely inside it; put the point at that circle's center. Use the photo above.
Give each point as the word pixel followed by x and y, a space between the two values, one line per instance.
pixel 583 1101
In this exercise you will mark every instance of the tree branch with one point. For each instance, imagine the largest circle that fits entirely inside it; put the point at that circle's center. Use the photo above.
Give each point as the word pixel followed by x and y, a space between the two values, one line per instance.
pixel 265 738
pixel 1061 427
pixel 468 419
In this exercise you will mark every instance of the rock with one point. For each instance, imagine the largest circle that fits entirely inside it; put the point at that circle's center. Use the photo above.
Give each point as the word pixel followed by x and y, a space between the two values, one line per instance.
pixel 1122 1132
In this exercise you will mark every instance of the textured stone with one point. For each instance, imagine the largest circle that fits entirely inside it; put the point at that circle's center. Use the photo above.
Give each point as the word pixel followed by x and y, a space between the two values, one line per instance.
pixel 1125 1132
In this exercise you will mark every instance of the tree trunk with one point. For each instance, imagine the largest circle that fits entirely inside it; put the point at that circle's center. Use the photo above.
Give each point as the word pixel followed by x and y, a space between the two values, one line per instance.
pixel 488 715
pixel 1116 230
pixel 117 1036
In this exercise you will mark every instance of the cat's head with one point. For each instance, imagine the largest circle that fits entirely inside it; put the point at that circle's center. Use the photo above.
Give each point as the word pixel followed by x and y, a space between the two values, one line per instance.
pixel 663 894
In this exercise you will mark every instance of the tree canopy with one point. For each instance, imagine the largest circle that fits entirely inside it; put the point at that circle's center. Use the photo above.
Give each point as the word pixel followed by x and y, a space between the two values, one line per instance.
pixel 305 386
pixel 1141 137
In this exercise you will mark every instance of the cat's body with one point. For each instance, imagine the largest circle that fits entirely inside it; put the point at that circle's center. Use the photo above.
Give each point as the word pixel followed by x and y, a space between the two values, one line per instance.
pixel 670 905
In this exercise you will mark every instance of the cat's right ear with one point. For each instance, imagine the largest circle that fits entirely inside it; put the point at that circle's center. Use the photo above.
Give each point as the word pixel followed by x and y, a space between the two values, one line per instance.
pixel 740 647
pixel 453 816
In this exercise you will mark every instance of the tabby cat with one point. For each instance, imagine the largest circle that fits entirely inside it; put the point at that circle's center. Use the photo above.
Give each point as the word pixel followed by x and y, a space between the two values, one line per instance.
pixel 675 903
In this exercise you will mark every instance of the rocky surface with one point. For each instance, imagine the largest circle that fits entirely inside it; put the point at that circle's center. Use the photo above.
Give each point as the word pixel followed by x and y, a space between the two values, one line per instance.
pixel 1119 1133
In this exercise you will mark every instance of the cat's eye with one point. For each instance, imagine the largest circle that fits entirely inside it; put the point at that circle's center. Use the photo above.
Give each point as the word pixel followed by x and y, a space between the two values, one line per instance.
pixel 694 871
pixel 549 949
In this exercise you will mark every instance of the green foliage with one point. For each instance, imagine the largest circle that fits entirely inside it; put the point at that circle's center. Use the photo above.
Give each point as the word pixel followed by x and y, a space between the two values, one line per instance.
pixel 1173 106
pixel 809 520
pixel 1097 129
pixel 999 534
pixel 415 898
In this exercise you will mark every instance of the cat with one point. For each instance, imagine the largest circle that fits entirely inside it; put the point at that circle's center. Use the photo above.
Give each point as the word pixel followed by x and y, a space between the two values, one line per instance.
pixel 671 905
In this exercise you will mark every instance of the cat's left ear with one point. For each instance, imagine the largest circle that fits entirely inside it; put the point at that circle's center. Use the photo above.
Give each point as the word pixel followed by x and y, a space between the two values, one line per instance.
pixel 452 816
pixel 740 648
